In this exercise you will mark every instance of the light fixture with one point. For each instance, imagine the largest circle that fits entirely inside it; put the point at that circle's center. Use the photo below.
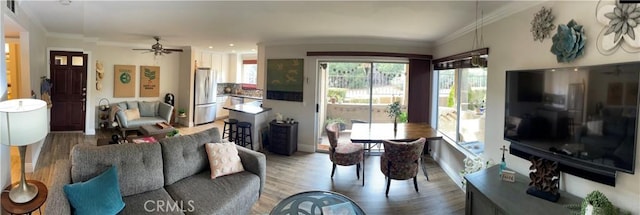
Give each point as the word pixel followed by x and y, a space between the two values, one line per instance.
pixel 210 47
pixel 475 56
pixel 23 122
pixel 231 44
pixel 65 2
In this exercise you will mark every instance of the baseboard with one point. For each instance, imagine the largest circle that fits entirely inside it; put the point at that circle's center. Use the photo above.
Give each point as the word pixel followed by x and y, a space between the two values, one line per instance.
pixel 306 148
pixel 454 175
pixel 90 132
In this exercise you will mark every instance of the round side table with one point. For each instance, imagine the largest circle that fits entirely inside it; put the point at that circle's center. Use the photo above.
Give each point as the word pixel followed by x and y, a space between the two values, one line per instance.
pixel 24 208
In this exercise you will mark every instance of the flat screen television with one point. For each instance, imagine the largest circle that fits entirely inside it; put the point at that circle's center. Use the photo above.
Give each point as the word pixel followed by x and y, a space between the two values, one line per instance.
pixel 582 117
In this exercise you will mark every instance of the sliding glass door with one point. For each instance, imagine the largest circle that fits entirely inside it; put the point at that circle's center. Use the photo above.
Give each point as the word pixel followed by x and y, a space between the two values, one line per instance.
pixel 360 92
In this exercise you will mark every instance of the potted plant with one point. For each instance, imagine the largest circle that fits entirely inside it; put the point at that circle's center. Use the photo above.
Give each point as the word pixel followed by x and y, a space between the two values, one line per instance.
pixel 394 111
pixel 341 123
pixel 182 112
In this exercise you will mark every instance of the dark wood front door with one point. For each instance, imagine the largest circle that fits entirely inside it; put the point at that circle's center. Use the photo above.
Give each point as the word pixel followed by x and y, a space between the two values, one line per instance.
pixel 69 90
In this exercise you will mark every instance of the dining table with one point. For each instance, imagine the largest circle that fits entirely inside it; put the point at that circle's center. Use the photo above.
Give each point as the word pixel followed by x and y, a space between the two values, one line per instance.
pixel 366 133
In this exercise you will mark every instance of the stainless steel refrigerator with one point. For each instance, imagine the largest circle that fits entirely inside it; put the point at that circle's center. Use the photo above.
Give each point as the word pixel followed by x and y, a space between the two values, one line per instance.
pixel 205 96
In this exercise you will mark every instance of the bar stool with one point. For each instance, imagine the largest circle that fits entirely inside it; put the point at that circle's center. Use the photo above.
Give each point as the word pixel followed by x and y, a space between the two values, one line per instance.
pixel 244 131
pixel 229 131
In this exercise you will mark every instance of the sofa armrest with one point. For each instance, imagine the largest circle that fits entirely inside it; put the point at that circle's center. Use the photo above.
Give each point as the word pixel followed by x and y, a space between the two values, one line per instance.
pixel 165 110
pixel 122 119
pixel 254 162
pixel 57 202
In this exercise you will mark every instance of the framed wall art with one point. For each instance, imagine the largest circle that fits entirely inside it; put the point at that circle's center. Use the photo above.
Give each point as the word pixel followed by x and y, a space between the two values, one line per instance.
pixel 124 81
pixel 149 81
pixel 285 79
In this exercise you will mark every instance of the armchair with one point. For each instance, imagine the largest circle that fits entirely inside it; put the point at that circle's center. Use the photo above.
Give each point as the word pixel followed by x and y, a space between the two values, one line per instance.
pixel 400 161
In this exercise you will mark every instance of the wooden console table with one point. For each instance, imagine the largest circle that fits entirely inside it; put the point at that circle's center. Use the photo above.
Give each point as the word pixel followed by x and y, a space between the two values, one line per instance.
pixel 487 194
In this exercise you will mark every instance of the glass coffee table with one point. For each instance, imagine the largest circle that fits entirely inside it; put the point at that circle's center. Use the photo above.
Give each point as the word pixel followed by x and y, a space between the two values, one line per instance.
pixel 317 202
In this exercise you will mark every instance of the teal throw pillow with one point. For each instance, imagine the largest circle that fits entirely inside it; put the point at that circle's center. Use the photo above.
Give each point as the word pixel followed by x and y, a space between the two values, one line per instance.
pixel 99 195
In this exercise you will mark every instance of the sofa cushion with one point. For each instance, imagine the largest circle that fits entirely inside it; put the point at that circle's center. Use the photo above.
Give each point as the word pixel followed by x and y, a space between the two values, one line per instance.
pixel 144 121
pixel 132 114
pixel 132 105
pixel 98 195
pixel 231 194
pixel 185 155
pixel 223 159
pixel 153 202
pixel 148 108
pixel 139 165
pixel 122 105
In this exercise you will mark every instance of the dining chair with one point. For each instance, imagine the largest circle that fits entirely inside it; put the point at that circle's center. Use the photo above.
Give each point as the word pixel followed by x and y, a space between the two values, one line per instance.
pixel 400 161
pixel 343 153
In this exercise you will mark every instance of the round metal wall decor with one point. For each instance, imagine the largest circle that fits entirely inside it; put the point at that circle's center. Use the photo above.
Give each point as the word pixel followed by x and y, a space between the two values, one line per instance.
pixel 541 25
pixel 621 28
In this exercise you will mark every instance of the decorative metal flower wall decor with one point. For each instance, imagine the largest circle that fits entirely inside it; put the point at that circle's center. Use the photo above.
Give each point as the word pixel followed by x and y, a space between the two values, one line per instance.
pixel 541 25
pixel 621 28
pixel 568 42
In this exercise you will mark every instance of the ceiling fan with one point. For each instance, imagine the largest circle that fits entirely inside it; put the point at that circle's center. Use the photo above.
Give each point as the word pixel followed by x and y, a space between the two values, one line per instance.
pixel 157 49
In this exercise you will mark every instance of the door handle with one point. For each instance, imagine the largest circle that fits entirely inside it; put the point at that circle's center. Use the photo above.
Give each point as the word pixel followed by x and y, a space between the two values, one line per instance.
pixel 84 106
pixel 206 87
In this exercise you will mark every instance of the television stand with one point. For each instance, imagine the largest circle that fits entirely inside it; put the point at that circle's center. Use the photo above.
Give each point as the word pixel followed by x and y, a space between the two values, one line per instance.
pixel 487 194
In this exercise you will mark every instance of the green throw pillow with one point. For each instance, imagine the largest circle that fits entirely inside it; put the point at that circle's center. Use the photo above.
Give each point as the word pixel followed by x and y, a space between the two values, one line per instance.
pixel 99 195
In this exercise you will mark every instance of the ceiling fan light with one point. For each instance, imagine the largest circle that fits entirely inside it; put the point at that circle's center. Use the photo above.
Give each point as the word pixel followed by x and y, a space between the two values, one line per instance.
pixel 65 2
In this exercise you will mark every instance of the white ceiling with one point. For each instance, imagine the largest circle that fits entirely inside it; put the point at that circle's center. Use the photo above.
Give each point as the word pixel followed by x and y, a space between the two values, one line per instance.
pixel 245 23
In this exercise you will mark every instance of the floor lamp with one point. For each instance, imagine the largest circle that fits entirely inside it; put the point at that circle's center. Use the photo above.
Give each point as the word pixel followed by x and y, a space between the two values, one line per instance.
pixel 23 122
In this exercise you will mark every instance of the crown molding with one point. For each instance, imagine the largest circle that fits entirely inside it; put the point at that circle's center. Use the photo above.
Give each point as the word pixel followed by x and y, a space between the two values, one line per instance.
pixel 349 40
pixel 72 37
pixel 499 14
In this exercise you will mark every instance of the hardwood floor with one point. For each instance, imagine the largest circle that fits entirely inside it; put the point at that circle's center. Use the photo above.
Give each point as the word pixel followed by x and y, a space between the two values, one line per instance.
pixel 287 175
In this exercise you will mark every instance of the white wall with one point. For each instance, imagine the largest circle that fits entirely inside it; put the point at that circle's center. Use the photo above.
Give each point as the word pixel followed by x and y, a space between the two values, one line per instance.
pixel 32 43
pixel 304 112
pixel 512 47
pixel 111 55
pixel 5 157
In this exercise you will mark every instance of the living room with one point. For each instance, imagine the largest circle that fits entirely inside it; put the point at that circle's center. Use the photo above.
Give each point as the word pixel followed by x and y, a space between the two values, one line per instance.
pixel 507 36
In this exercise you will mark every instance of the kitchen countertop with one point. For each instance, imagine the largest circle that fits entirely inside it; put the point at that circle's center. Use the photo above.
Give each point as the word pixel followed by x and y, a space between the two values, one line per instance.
pixel 241 96
pixel 247 108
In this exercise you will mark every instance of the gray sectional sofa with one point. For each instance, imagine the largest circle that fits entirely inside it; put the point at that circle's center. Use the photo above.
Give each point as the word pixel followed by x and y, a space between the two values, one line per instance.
pixel 150 114
pixel 175 171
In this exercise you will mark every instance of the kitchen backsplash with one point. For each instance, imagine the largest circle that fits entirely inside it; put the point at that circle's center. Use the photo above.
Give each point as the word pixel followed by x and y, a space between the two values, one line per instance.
pixel 234 88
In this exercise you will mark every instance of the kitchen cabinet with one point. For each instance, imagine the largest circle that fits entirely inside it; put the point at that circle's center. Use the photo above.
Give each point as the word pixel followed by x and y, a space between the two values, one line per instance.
pixel 205 58
pixel 221 102
pixel 220 64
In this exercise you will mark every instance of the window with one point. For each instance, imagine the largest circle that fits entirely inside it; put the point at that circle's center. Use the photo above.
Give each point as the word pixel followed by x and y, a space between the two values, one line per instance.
pixel 249 71
pixel 462 90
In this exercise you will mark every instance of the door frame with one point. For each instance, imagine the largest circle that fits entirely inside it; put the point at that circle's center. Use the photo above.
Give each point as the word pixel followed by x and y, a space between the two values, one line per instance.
pixel 321 85
pixel 89 122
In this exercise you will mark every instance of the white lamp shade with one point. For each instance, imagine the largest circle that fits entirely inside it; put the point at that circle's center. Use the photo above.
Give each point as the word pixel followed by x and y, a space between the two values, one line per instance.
pixel 23 121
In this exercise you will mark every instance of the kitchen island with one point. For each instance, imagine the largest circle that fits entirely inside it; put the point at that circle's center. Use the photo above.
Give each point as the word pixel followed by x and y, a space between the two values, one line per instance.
pixel 255 115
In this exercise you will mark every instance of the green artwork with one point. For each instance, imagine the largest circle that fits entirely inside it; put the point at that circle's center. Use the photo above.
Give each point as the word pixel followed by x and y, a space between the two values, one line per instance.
pixel 285 79
pixel 125 77
pixel 149 74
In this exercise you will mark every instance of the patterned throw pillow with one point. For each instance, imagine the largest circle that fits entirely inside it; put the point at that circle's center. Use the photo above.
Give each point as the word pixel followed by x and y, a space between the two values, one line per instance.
pixel 223 159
